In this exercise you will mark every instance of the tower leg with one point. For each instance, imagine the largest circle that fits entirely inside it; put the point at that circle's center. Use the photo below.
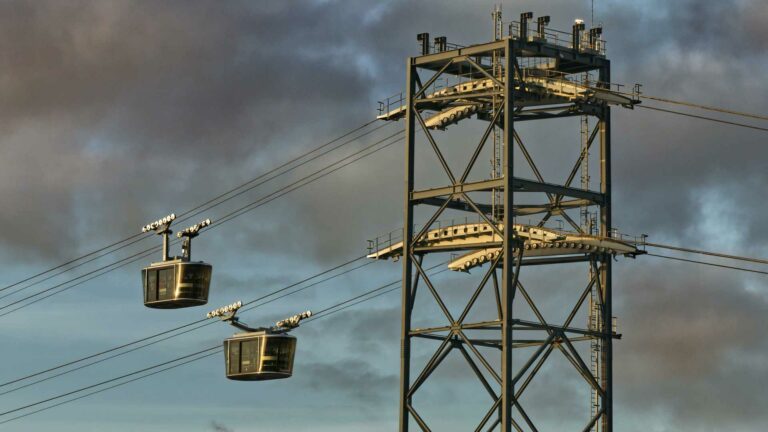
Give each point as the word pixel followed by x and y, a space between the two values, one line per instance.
pixel 407 301
pixel 606 354
pixel 508 273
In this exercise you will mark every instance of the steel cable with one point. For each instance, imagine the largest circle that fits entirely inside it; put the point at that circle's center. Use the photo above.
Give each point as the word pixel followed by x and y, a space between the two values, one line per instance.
pixel 144 339
pixel 324 312
pixel 352 158
pixel 196 210
pixel 704 252
pixel 704 118
pixel 708 263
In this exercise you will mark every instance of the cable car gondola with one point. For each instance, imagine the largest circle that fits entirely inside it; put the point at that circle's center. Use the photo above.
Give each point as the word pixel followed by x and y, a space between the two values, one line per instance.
pixel 259 354
pixel 176 282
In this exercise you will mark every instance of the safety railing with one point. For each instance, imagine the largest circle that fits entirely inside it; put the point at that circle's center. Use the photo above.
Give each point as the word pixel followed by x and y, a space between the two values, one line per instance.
pixel 385 241
pixel 558 37
pixel 394 237
pixel 392 103
pixel 580 80
pixel 436 47
pixel 613 234
pixel 396 102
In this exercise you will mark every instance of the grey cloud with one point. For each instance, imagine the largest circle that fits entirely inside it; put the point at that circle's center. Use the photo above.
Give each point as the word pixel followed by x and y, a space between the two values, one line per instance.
pixel 691 336
pixel 177 91
pixel 218 427
pixel 354 379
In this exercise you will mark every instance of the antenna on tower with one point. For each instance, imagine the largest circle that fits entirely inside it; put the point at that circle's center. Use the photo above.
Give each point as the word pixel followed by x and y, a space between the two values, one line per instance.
pixel 497 25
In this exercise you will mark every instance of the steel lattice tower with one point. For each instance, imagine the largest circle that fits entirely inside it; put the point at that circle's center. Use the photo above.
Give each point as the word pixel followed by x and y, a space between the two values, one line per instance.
pixel 531 74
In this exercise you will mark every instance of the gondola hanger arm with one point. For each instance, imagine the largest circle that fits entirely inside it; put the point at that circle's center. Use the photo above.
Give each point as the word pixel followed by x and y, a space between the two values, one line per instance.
pixel 228 314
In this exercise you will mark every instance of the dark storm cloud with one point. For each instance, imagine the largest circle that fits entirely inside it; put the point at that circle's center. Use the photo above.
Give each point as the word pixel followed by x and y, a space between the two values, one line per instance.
pixel 105 101
pixel 666 166
pixel 353 359
pixel 692 343
pixel 724 28
pixel 170 76
pixel 381 326
pixel 354 379
pixel 218 427
pixel 728 28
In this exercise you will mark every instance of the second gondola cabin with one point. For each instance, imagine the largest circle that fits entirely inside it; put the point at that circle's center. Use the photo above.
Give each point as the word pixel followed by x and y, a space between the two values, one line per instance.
pixel 259 356
pixel 176 284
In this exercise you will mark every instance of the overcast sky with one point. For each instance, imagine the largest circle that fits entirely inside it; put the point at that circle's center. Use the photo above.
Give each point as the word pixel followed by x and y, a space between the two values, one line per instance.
pixel 115 113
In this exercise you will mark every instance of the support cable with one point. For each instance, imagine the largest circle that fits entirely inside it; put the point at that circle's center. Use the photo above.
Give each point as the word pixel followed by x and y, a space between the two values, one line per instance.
pixel 204 324
pixel 699 106
pixel 707 263
pixel 704 252
pixel 110 387
pixel 347 160
pixel 81 389
pixel 331 312
pixel 704 118
pixel 69 262
pixel 354 157
pixel 326 310
pixel 191 212
pixel 102 360
pixel 53 275
pixel 82 278
pixel 192 357
pixel 206 205
pixel 147 338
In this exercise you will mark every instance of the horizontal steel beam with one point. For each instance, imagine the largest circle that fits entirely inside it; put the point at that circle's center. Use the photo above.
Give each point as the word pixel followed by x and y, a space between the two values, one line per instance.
pixel 487 343
pixel 520 185
pixel 457 204
pixel 523 185
pixel 519 210
pixel 556 260
pixel 457 247
pixel 484 185
pixel 431 61
pixel 458 96
pixel 496 343
pixel 533 325
pixel 523 116
pixel 484 325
